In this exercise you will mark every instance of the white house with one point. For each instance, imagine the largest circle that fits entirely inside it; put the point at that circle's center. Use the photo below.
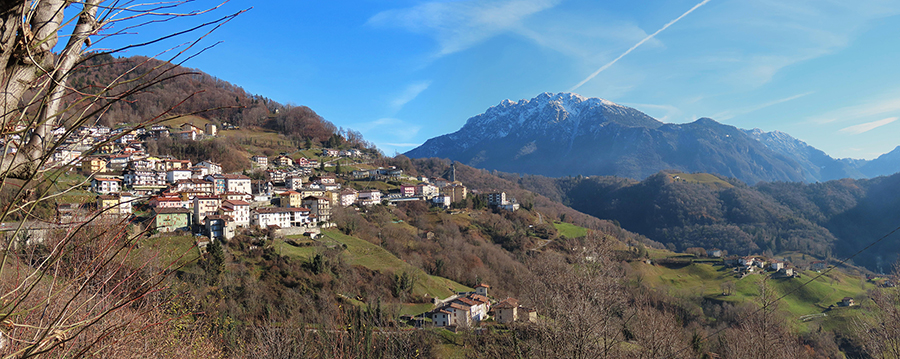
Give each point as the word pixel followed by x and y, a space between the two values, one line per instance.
pixel 199 172
pixel 274 216
pixel 261 161
pixel 144 178
pixel 293 181
pixel 302 217
pixel 174 175
pixel 106 184
pixel 348 197
pixel 193 184
pixel 496 199
pixel 214 168
pixel 478 309
pixel 427 190
pixel 240 212
pixel 369 197
pixel 237 183
pixel 442 201
pixel 461 311
pixel 776 265
pixel 441 318
pixel 125 203
pixel 219 226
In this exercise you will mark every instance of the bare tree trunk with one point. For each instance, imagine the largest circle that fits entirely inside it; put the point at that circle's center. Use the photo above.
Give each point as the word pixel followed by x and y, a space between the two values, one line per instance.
pixel 48 304
pixel 31 33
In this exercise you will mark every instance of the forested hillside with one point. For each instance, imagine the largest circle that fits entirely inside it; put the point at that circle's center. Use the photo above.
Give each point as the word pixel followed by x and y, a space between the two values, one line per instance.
pixel 162 87
pixel 159 92
pixel 835 218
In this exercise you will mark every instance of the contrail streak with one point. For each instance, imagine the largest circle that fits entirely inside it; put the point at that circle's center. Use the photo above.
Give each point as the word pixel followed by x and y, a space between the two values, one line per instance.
pixel 666 26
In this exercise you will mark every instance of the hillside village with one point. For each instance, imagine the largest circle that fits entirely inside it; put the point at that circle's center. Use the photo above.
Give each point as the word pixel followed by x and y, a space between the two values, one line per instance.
pixel 291 195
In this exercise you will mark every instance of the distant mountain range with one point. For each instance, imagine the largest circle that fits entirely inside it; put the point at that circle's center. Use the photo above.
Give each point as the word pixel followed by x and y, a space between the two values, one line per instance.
pixel 566 134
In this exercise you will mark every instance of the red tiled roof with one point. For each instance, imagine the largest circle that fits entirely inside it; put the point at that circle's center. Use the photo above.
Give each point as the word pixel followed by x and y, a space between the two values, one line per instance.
pixel 459 306
pixel 231 176
pixel 507 303
pixel 479 298
pixel 222 217
pixel 207 197
pixel 172 210
pixel 272 210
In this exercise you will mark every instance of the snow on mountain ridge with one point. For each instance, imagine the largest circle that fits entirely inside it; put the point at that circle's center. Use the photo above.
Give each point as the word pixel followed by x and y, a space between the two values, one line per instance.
pixel 561 117
pixel 565 105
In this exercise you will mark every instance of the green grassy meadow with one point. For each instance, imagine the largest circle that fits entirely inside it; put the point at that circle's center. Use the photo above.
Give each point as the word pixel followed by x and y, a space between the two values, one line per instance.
pixel 570 230
pixel 362 253
pixel 811 293
pixel 702 178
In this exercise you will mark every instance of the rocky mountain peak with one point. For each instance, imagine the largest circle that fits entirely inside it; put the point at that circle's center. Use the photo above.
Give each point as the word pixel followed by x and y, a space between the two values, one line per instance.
pixel 562 134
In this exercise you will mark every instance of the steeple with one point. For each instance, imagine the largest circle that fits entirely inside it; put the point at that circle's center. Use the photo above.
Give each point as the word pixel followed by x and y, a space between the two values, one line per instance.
pixel 452 172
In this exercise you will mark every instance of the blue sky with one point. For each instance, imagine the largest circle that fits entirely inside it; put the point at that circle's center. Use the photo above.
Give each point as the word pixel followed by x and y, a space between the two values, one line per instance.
pixel 401 72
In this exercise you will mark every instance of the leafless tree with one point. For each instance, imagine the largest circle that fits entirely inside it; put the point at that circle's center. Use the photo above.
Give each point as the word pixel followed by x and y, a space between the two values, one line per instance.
pixel 880 333
pixel 583 303
pixel 762 333
pixel 80 291
pixel 655 333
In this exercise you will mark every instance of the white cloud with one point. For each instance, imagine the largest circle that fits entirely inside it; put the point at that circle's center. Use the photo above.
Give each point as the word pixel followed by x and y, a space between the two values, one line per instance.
pixel 729 114
pixel 886 105
pixel 388 129
pixel 584 38
pixel 767 36
pixel 459 25
pixel 868 126
pixel 779 101
pixel 410 93
pixel 379 123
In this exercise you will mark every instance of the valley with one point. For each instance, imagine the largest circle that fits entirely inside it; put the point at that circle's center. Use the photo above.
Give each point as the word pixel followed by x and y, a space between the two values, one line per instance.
pixel 685 241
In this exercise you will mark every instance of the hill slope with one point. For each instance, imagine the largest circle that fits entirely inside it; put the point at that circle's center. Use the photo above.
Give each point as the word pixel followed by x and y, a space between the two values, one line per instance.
pixel 681 210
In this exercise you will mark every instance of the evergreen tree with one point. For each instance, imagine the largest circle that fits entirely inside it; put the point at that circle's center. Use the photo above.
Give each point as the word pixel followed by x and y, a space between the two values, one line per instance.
pixel 214 263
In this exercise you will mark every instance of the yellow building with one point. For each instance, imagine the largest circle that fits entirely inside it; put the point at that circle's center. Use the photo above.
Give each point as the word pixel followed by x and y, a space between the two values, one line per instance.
pixel 291 199
pixel 334 197
pixel 108 204
pixel 93 164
